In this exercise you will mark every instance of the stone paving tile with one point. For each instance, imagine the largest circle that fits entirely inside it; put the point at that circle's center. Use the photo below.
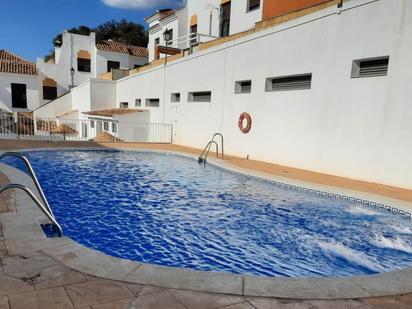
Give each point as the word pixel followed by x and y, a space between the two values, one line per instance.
pixel 200 300
pixel 58 276
pixel 55 298
pixel 97 291
pixel 338 304
pixel 129 303
pixel 21 263
pixel 264 303
pixel 390 302
pixel 244 305
pixel 138 289
pixel 4 302
pixel 160 300
pixel 12 285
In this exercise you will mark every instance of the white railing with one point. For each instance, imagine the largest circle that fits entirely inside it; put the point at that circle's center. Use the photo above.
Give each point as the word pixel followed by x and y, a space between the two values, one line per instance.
pixel 190 40
pixel 94 130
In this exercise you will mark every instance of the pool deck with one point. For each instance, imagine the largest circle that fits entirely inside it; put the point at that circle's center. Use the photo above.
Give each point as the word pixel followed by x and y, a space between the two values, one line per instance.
pixel 37 272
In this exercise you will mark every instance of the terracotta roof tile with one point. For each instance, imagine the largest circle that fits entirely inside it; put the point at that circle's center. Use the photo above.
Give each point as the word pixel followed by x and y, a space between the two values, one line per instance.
pixel 113 111
pixel 11 63
pixel 118 47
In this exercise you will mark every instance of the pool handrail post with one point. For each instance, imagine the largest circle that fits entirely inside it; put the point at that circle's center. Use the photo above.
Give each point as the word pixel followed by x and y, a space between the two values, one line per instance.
pixel 32 174
pixel 221 138
pixel 35 200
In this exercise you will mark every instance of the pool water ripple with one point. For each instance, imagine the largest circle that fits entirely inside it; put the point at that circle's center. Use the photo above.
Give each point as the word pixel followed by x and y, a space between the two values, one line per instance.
pixel 168 210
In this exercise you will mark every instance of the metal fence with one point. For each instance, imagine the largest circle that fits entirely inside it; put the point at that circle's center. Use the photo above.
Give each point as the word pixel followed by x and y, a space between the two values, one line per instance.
pixel 94 130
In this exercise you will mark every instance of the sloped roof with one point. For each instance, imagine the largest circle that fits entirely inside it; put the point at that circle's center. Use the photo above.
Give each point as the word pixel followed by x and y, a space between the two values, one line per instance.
pixel 113 111
pixel 11 63
pixel 118 47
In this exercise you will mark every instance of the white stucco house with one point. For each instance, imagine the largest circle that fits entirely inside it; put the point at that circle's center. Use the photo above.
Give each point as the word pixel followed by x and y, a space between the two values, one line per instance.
pixel 80 58
pixel 19 84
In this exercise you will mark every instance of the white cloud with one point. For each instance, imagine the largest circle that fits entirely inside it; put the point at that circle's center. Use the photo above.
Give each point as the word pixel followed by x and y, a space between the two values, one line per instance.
pixel 143 4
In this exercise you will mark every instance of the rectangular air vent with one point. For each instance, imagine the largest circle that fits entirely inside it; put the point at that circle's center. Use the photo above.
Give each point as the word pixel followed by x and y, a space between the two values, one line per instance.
pixel 289 83
pixel 244 86
pixel 152 102
pixel 371 67
pixel 201 96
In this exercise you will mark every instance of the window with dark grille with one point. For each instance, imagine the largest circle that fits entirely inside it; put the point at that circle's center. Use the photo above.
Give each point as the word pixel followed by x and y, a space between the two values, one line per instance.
pixel 83 65
pixel 49 93
pixel 106 126
pixel 112 65
pixel 253 5
pixel 114 127
pixel 244 86
pixel 169 36
pixel 288 83
pixel 201 96
pixel 225 19
pixel 371 67
pixel 175 97
pixel 124 105
pixel 193 38
pixel 152 102
pixel 19 95
pixel 157 41
pixel 138 103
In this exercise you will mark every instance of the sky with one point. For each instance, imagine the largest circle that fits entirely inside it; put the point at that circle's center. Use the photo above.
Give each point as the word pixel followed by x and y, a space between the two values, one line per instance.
pixel 29 26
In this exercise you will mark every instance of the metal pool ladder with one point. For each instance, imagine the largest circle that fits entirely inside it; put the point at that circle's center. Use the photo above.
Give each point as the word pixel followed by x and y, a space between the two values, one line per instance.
pixel 44 207
pixel 203 156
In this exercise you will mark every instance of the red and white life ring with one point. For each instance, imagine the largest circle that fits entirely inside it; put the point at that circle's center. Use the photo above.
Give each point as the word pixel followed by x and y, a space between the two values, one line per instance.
pixel 245 128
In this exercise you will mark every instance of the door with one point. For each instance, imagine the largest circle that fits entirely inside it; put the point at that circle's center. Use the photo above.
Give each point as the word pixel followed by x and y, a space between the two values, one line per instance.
pixel 225 19
pixel 18 95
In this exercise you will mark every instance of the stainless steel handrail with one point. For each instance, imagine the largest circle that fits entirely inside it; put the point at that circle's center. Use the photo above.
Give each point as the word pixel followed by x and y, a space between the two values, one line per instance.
pixel 206 151
pixel 32 174
pixel 221 138
pixel 36 200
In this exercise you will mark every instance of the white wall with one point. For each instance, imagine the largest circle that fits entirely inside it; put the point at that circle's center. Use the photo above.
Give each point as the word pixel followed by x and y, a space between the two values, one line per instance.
pixel 57 107
pixel 103 94
pixel 126 61
pixel 241 19
pixel 32 86
pixel 357 128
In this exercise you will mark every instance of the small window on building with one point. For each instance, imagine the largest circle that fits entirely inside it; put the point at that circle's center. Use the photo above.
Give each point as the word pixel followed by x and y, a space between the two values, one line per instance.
pixel 138 102
pixel 244 86
pixel 193 37
pixel 92 124
pixel 201 96
pixel 83 61
pixel 106 126
pixel 168 35
pixel 157 41
pixel 49 89
pixel 288 83
pixel 175 97
pixel 112 65
pixel 124 105
pixel 225 19
pixel 19 95
pixel 114 127
pixel 252 5
pixel 84 129
pixel 370 67
pixel 152 102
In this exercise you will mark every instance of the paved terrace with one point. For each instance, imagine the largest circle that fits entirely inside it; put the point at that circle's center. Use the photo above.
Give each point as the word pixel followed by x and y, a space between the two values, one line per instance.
pixel 33 278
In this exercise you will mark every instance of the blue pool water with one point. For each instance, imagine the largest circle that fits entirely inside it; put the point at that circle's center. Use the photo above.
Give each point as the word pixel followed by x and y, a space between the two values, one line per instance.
pixel 169 210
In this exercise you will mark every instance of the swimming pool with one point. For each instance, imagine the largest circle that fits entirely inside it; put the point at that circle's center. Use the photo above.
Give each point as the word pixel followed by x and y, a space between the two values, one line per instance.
pixel 168 210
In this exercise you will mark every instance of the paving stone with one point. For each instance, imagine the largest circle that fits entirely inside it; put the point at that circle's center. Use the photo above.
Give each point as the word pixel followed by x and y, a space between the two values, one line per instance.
pixel 130 303
pixel 244 305
pixel 4 302
pixel 138 289
pixel 338 304
pixel 97 291
pixel 58 276
pixel 390 302
pixel 12 285
pixel 201 300
pixel 22 264
pixel 55 298
pixel 158 300
pixel 265 303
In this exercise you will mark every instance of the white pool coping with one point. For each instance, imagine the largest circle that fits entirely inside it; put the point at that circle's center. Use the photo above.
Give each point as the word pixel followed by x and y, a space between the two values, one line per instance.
pixel 23 235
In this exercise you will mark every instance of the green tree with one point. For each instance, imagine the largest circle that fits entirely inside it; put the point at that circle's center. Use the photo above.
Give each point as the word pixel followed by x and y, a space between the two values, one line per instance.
pixel 122 31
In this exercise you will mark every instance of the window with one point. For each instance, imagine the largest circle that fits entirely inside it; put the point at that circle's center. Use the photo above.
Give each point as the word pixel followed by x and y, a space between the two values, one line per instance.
pixel 169 36
pixel 49 93
pixel 175 97
pixel 193 40
pixel 92 124
pixel 124 105
pixel 244 86
pixel 138 102
pixel 287 83
pixel 112 65
pixel 253 5
pixel 157 41
pixel 83 65
pixel 106 126
pixel 84 129
pixel 152 102
pixel 201 96
pixel 225 19
pixel 370 67
pixel 137 66
pixel 18 95
pixel 114 127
